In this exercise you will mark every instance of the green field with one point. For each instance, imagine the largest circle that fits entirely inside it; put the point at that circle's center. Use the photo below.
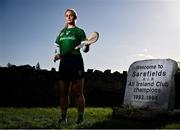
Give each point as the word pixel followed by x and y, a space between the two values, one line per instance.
pixel 94 118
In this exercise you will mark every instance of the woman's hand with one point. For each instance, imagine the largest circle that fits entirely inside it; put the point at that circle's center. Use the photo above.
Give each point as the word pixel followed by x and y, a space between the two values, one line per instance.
pixel 86 48
pixel 57 57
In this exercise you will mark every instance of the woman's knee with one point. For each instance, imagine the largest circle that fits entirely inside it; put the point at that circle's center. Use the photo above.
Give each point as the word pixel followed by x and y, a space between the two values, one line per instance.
pixel 64 89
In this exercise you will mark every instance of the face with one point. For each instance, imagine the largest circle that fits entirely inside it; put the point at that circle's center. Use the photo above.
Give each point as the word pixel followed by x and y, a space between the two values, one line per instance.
pixel 70 17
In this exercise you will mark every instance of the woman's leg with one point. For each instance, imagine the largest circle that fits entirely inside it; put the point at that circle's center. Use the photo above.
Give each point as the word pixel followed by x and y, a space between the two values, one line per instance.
pixel 77 88
pixel 64 98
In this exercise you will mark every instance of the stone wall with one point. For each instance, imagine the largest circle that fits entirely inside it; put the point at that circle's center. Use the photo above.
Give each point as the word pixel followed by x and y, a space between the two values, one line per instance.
pixel 27 87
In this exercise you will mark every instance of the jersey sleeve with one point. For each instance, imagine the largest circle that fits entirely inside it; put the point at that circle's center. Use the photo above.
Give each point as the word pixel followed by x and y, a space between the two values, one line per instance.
pixel 57 39
pixel 58 36
pixel 83 36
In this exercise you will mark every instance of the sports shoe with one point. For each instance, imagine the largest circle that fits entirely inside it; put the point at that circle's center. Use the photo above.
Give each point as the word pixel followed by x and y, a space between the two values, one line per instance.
pixel 80 120
pixel 62 120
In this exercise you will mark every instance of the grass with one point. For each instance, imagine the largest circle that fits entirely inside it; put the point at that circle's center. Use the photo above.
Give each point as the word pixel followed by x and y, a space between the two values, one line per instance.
pixel 22 118
pixel 48 117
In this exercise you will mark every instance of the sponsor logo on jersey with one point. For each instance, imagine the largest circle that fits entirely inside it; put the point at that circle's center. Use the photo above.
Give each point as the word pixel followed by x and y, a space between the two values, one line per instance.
pixel 67 38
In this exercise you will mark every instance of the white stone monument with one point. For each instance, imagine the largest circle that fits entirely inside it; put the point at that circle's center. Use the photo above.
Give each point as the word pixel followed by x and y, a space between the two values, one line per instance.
pixel 150 84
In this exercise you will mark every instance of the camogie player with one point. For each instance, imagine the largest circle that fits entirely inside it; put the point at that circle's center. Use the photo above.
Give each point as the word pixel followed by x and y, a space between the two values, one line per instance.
pixel 71 67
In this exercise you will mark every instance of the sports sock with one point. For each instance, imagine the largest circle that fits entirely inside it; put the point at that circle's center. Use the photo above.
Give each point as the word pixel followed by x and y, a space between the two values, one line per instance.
pixel 81 115
pixel 64 115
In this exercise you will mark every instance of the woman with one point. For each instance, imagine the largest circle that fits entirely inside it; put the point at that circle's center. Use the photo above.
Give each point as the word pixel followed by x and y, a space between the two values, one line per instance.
pixel 71 68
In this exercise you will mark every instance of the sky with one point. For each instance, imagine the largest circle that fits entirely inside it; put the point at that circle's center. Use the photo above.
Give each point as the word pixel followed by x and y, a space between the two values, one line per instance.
pixel 130 30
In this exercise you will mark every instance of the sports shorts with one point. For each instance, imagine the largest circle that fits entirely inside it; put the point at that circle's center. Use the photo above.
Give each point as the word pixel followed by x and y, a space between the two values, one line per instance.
pixel 71 67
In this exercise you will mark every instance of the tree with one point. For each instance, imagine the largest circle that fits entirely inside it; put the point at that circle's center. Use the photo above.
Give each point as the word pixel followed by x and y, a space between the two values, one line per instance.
pixel 38 66
pixel 9 65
